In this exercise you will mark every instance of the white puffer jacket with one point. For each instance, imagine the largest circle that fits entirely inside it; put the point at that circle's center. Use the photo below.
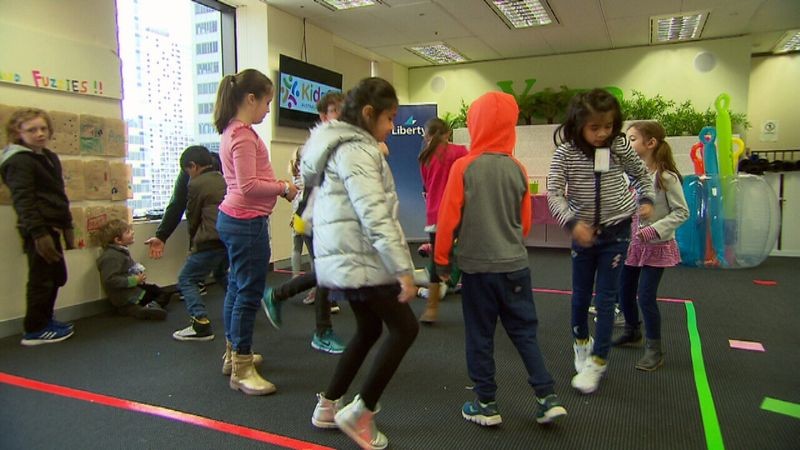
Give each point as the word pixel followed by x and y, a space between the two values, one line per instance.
pixel 358 240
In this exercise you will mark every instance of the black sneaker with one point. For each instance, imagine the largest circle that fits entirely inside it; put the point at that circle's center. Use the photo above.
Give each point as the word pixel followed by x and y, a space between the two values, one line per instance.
pixel 196 331
pixel 550 409
pixel 150 311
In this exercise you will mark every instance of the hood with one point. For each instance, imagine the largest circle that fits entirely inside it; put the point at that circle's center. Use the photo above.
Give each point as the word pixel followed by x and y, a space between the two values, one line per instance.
pixel 323 137
pixel 491 121
pixel 12 150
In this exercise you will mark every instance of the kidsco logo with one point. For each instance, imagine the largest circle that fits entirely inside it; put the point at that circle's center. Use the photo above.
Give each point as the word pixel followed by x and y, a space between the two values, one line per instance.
pixel 408 128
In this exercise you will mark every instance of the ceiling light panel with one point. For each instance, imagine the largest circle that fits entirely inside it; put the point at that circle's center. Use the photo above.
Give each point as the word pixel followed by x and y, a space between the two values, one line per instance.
pixel 523 13
pixel 338 5
pixel 677 27
pixel 437 53
pixel 790 42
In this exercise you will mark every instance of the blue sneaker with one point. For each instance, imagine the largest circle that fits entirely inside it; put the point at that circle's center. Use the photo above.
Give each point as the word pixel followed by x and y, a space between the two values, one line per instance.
pixel 328 342
pixel 550 409
pixel 65 325
pixel 485 414
pixel 272 308
pixel 49 335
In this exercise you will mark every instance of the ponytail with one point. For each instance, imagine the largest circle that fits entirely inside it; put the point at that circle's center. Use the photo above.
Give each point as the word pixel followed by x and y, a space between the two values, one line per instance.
pixel 232 91
pixel 662 155
pixel 438 131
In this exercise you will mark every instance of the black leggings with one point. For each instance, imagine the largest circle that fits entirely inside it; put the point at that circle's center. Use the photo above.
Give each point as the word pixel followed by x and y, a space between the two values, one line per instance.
pixel 372 307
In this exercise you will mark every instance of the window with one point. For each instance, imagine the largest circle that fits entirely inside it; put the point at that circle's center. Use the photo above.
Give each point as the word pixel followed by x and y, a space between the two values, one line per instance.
pixel 207 88
pixel 205 108
pixel 205 48
pixel 208 68
pixel 205 28
pixel 174 55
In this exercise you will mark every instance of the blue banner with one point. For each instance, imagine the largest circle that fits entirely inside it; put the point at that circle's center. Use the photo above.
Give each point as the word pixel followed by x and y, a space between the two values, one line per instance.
pixel 404 144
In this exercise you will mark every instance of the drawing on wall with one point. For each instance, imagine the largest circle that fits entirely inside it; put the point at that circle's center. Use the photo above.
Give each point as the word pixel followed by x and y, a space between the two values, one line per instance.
pixel 92 130
pixel 66 139
pixel 95 174
pixel 74 182
pixel 114 137
pixel 120 180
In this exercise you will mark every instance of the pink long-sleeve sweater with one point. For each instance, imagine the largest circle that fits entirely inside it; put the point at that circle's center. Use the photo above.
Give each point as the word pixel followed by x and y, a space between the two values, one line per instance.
pixel 253 189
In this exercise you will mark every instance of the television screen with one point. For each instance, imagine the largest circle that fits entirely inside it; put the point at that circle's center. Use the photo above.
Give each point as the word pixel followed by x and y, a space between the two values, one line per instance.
pixel 302 85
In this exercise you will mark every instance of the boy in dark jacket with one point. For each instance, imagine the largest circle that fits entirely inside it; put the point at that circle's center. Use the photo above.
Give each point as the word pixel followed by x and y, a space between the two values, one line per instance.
pixel 488 204
pixel 124 279
pixel 33 174
pixel 206 190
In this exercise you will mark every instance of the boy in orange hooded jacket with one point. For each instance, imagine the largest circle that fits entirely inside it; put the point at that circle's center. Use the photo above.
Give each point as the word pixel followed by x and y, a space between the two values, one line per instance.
pixel 487 202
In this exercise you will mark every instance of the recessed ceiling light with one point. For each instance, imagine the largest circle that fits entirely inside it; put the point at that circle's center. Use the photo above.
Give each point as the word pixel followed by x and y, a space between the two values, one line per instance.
pixel 437 53
pixel 338 5
pixel 523 13
pixel 790 42
pixel 677 27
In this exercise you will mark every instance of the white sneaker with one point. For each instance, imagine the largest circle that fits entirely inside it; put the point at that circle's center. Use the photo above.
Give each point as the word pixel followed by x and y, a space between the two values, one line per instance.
pixel 582 353
pixel 356 421
pixel 325 411
pixel 588 379
pixel 422 292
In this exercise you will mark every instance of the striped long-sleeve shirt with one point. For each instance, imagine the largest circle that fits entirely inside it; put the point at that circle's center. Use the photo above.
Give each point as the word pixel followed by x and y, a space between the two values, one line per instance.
pixel 571 193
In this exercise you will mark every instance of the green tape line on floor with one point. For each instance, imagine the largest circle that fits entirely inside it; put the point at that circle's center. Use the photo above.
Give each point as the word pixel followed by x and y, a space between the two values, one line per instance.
pixel 781 407
pixel 707 409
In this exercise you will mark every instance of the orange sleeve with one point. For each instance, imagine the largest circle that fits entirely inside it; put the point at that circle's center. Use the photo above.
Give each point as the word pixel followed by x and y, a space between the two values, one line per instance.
pixel 449 213
pixel 526 209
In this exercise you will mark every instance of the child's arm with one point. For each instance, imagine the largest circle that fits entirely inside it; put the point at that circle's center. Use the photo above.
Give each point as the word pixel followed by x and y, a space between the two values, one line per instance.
pixel 557 188
pixel 636 170
pixel 449 219
pixel 194 209
pixel 678 210
pixel 244 147
pixel 21 180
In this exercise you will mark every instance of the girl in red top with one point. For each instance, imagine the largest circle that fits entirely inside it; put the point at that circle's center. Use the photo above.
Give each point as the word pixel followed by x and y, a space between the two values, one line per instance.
pixel 435 161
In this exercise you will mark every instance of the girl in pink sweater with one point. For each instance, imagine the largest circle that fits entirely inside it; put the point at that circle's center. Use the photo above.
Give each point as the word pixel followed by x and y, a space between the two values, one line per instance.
pixel 243 222
pixel 435 161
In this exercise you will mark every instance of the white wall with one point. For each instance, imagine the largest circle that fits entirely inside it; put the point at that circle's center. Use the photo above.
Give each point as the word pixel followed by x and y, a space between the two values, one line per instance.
pixel 774 95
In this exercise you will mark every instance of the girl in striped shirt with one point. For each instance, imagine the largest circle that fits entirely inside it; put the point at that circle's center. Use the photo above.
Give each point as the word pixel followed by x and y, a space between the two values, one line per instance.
pixel 588 194
pixel 653 245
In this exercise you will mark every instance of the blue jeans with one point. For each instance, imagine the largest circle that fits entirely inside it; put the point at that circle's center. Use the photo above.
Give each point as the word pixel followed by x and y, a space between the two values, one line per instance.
pixel 247 241
pixel 603 260
pixel 484 298
pixel 644 282
pixel 195 270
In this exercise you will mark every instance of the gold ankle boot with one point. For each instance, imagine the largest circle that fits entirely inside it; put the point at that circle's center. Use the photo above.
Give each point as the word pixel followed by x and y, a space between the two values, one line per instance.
pixel 432 307
pixel 227 362
pixel 245 377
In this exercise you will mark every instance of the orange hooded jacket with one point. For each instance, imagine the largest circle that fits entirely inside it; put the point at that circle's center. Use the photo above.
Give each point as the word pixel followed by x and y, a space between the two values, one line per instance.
pixel 486 203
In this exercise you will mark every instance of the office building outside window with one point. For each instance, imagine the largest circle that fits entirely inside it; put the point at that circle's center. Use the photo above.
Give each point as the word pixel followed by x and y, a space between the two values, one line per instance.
pixel 172 63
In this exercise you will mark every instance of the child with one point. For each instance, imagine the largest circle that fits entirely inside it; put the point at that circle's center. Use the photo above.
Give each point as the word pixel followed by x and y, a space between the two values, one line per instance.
pixel 124 279
pixel 361 253
pixel 496 279
pixel 435 161
pixel 297 238
pixel 243 222
pixel 589 196
pixel 206 190
pixel 33 174
pixel 653 245
pixel 324 338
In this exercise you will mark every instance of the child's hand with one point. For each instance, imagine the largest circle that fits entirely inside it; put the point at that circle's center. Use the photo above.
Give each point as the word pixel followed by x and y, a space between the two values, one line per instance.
pixel 156 247
pixel 645 211
pixel 583 234
pixel 141 278
pixel 292 191
pixel 408 291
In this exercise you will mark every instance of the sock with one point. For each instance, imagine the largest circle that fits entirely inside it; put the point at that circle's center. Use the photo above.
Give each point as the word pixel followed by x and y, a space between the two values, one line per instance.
pixel 202 320
pixel 582 341
pixel 598 360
